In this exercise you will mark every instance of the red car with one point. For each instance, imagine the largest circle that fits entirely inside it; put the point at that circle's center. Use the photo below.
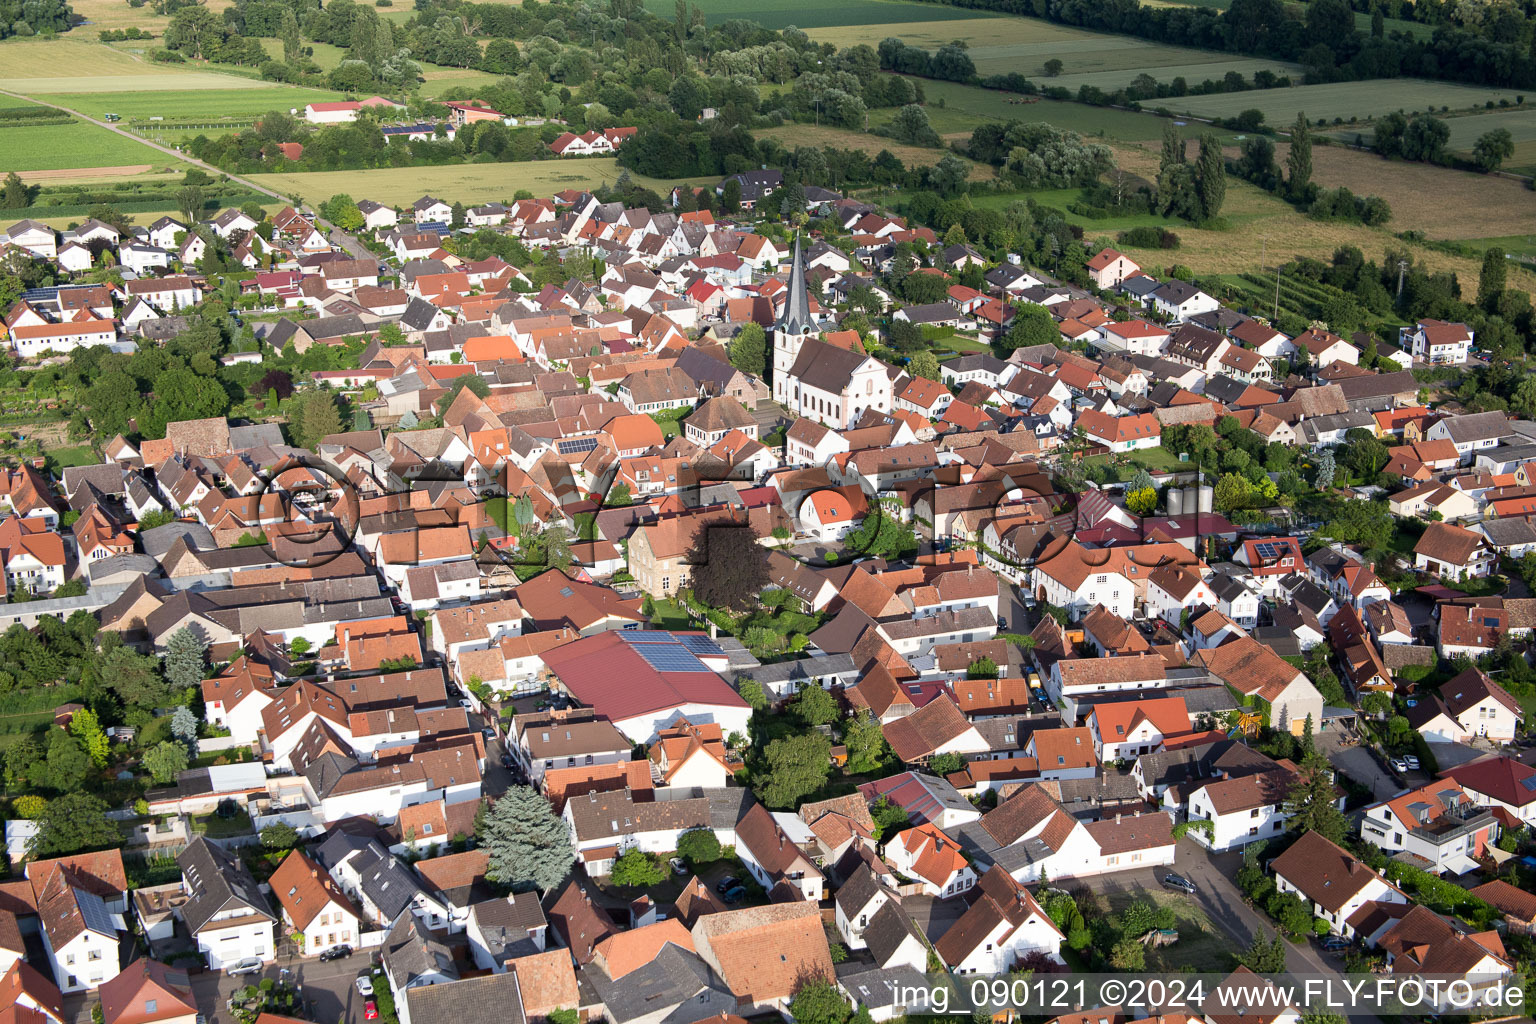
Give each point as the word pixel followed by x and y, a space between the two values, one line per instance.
pixel 370 1010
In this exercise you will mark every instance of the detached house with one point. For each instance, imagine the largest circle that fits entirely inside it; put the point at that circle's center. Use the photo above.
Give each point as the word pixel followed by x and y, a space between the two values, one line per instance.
pixel 1439 825
pixel 1334 881
pixel 1437 342
pixel 225 910
pixel 1454 552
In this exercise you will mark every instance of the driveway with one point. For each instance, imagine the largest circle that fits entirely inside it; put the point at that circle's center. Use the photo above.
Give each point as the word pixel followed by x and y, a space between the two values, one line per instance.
pixel 328 989
pixel 1359 764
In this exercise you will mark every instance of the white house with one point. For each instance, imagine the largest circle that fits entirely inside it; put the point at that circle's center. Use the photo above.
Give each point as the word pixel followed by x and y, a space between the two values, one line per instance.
pixel 225 910
pixel 1108 267
pixel 315 909
pixel 1334 881
pixel 933 859
pixel 1437 342
pixel 1439 824
pixel 1242 809
pixel 1003 926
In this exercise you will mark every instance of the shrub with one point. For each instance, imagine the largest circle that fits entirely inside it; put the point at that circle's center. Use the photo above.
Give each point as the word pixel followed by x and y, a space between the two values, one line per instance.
pixel 1149 237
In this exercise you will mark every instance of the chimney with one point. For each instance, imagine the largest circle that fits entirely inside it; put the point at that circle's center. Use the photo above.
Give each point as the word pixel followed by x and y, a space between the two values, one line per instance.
pixel 1117 818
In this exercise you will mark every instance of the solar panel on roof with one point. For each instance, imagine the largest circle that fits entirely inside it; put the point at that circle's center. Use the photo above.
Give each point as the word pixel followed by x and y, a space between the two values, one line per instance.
pixel 700 644
pixel 580 444
pixel 670 658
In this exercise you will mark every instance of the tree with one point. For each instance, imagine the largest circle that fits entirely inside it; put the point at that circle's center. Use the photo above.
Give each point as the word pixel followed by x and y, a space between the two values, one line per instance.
pixel 924 364
pixel 1211 177
pixel 189 201
pixel 343 212
pixel 816 706
pixel 316 416
pixel 1141 502
pixel 193 30
pixel 279 836
pixel 72 823
pixel 1492 149
pixel 818 1002
pixel 865 742
pixel 635 867
pixel 729 568
pixel 288 32
pixel 1493 279
pixel 945 764
pixel 730 195
pixel 1128 955
pixel 67 764
pixel 698 846
pixel 1298 162
pixel 86 727
pixel 1310 803
pixel 1327 470
pixel 797 766
pixel 1377 705
pixel 185 664
pixel 1032 325
pixel 752 692
pixel 529 845
pixel 15 195
pixel 1264 957
pixel 29 806
pixel 184 728
pixel 749 350
pixel 911 125
pixel 165 760
pixel 618 496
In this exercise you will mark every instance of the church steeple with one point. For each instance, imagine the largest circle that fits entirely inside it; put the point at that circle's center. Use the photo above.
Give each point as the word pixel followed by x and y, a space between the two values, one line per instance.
pixel 796 318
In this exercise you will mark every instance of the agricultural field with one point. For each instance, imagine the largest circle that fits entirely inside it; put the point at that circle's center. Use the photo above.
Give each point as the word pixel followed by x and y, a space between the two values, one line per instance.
pixel 955 110
pixel 466 183
pixel 53 147
pixel 1343 100
pixel 210 104
pixel 806 14
pixel 81 65
pixel 1001 45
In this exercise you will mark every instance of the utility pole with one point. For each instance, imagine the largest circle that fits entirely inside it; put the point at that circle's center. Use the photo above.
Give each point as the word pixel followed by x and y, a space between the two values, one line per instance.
pixel 1275 313
pixel 1402 269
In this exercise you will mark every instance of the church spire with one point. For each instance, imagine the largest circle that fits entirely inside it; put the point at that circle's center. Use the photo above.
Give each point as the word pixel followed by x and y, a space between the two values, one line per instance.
pixel 796 318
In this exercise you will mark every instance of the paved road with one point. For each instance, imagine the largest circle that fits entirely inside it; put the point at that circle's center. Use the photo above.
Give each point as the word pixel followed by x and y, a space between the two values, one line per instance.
pixel 328 989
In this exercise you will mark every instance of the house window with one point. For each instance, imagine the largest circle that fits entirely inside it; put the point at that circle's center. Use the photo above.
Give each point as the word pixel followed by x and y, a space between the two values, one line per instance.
pixel 151 1005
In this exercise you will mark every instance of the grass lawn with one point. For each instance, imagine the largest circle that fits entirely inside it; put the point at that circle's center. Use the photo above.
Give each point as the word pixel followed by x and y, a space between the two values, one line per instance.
pixel 960 343
pixel 777 14
pixel 216 827
pixel 467 183
pixel 60 459
pixel 667 613
pixel 1155 460
pixel 76 144
pixel 1201 945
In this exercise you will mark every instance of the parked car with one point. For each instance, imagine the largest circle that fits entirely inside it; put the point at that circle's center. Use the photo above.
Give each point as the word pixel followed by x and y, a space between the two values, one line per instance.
pixel 1412 761
pixel 735 894
pixel 370 1010
pixel 1179 882
pixel 364 985
pixel 336 953
pixel 467 705
pixel 1398 765
pixel 1334 944
pixel 728 882
pixel 250 965
pixel 679 866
